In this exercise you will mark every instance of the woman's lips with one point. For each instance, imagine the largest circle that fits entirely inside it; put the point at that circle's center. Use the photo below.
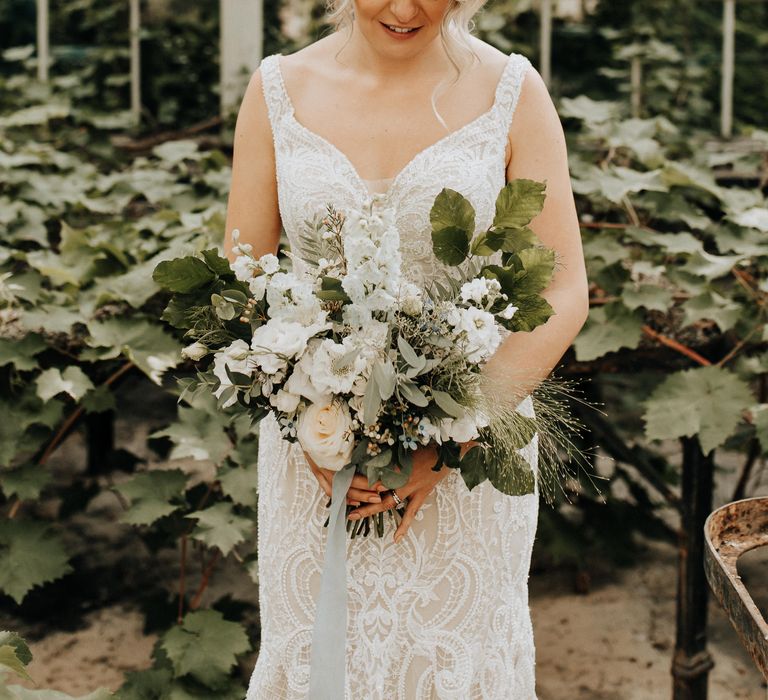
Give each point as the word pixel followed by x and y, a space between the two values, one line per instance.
pixel 400 35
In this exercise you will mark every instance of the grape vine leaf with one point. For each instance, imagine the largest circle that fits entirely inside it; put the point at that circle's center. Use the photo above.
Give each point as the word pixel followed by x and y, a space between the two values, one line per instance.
pixel 72 381
pixel 649 296
pixel 30 555
pixel 199 433
pixel 21 353
pixel 240 484
pixel 707 401
pixel 608 329
pixel 205 646
pixel 219 526
pixel 151 493
pixel 714 307
pixel 26 482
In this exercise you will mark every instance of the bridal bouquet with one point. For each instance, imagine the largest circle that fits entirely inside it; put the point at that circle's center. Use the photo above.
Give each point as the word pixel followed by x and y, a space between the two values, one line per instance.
pixel 362 366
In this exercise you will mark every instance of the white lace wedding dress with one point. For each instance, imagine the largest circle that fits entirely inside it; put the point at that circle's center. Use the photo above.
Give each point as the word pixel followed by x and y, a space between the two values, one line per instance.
pixel 443 614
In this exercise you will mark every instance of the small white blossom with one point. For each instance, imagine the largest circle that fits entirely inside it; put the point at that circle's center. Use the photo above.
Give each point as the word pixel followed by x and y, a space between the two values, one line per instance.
pixel 196 351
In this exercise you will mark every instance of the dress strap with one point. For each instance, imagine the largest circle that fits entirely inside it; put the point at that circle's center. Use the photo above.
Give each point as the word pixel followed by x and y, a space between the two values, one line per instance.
pixel 510 84
pixel 274 91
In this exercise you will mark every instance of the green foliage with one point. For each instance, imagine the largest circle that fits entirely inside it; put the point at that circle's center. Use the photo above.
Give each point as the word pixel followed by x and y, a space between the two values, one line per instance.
pixel 705 401
pixel 205 647
pixel 14 654
pixel 30 555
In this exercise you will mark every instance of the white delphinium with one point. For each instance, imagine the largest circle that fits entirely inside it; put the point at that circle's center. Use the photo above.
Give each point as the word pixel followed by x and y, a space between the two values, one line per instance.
pixel 236 356
pixel 372 254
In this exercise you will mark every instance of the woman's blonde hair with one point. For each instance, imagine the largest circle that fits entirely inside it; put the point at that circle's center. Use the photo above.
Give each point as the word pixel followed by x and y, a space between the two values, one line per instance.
pixel 455 33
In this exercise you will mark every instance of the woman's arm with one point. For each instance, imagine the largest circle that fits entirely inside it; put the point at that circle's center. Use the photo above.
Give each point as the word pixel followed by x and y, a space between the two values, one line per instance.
pixel 252 206
pixel 254 210
pixel 539 153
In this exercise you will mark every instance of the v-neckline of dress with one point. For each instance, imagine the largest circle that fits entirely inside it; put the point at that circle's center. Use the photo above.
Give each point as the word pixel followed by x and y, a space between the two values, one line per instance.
pixel 359 181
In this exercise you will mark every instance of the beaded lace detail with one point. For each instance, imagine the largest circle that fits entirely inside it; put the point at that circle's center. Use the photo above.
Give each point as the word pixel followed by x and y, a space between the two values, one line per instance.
pixel 443 614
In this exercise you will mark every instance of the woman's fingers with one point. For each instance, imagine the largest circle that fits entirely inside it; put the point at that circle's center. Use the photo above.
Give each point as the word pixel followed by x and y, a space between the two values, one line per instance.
pixel 364 495
pixel 412 507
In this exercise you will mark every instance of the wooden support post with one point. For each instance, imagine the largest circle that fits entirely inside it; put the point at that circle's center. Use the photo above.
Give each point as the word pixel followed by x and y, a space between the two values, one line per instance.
pixel 726 87
pixel 545 41
pixel 636 84
pixel 242 46
pixel 43 39
pixel 692 661
pixel 135 49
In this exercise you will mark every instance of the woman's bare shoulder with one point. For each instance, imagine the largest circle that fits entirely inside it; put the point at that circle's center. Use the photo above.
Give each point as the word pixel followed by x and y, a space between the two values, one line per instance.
pixel 312 57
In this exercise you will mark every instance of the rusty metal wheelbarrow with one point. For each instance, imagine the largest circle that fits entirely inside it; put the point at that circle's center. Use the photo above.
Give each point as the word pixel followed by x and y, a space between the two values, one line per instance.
pixel 730 531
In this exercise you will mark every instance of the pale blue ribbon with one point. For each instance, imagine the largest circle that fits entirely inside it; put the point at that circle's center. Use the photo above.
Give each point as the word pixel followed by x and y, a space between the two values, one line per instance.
pixel 327 668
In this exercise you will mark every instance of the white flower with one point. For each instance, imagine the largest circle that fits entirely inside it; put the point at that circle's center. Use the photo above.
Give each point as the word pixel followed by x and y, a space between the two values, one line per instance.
pixel 278 341
pixel 325 434
pixel 244 267
pixel 269 263
pixel 300 383
pixel 285 401
pixel 411 303
pixel 462 429
pixel 328 374
pixel 196 351
pixel 258 287
pixel 236 357
pixel 480 289
pixel 480 331
pixel 508 312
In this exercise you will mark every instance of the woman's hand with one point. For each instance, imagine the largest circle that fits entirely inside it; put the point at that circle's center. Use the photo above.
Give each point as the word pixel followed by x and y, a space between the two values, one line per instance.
pixel 416 490
pixel 359 491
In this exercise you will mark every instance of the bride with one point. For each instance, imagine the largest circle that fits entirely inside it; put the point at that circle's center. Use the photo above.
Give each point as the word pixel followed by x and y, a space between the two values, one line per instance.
pixel 398 102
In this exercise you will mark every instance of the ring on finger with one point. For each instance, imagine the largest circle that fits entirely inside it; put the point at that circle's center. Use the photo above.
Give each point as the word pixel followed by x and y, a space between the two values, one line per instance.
pixel 399 502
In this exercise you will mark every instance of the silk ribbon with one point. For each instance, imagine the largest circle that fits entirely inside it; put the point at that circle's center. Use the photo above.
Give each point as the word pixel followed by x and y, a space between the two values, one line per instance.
pixel 327 668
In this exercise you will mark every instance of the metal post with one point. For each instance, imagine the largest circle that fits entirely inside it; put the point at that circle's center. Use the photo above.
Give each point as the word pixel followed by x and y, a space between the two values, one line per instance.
pixel 726 88
pixel 42 41
pixel 636 84
pixel 691 662
pixel 135 49
pixel 545 41
pixel 242 47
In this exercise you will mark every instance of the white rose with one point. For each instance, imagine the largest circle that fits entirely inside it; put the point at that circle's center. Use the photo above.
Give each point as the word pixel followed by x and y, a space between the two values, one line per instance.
pixel 324 434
